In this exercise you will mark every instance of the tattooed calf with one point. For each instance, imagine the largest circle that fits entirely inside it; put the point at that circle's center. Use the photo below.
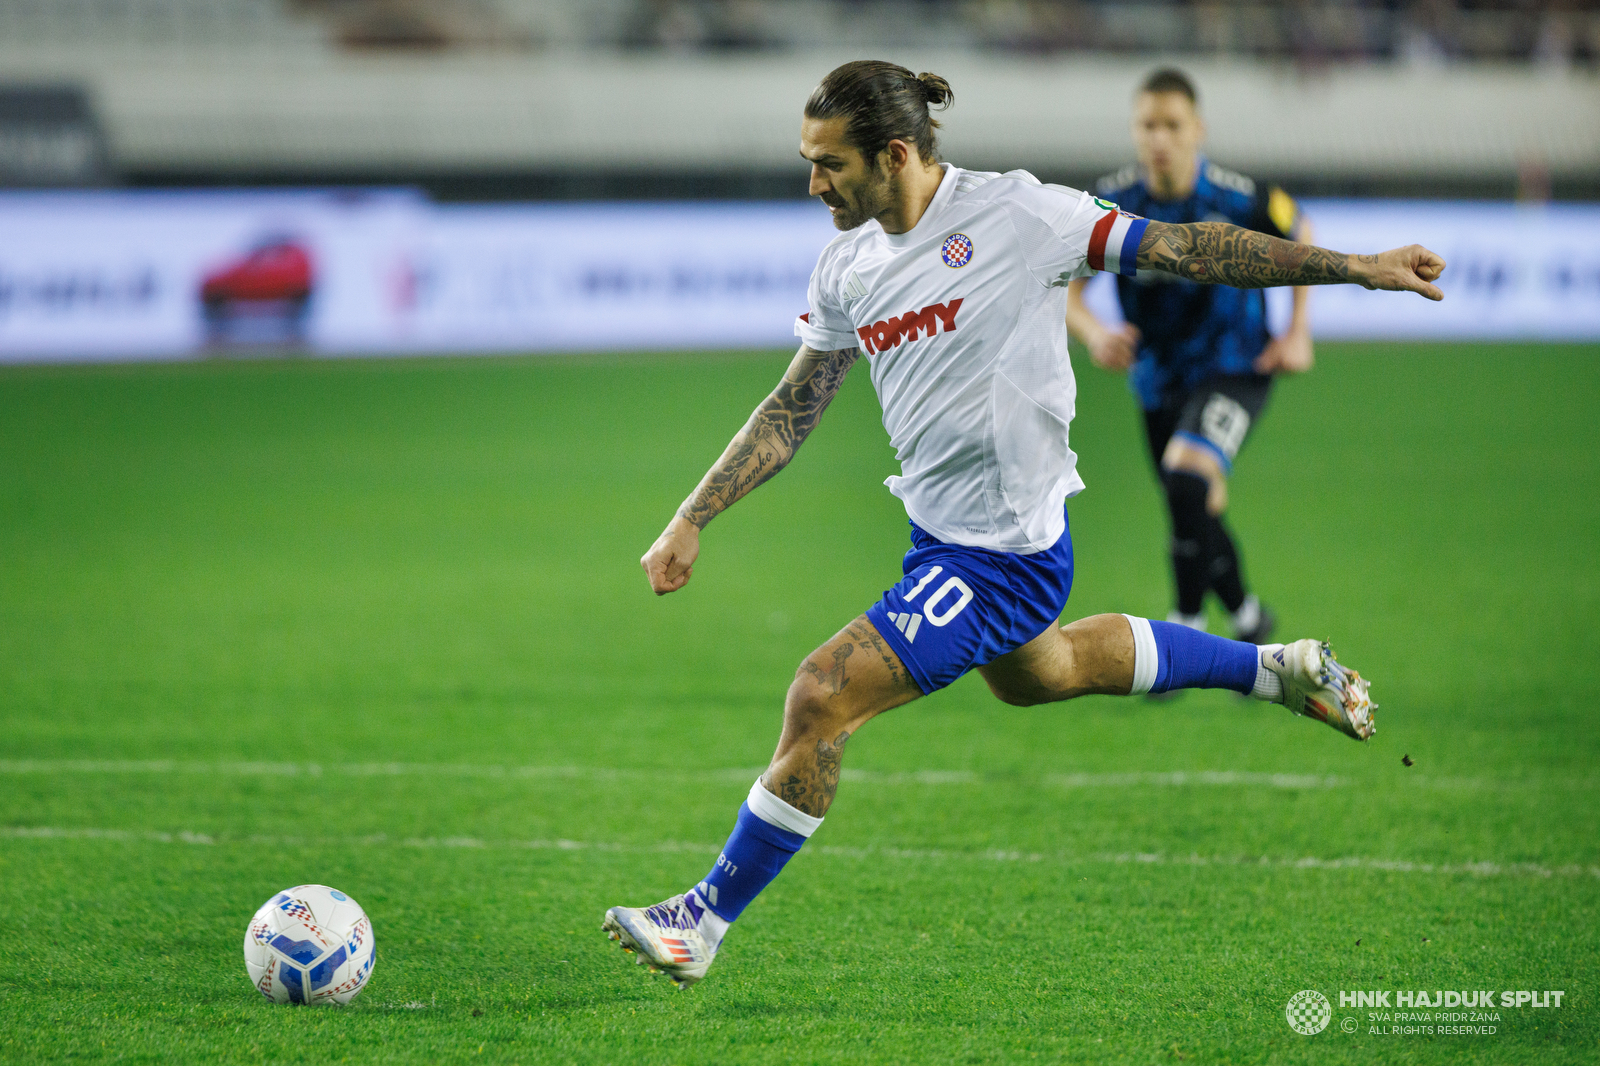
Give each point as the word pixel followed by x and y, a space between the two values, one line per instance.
pixel 813 788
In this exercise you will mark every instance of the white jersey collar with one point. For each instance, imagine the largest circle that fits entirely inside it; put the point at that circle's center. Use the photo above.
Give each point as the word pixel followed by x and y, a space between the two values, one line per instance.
pixel 936 206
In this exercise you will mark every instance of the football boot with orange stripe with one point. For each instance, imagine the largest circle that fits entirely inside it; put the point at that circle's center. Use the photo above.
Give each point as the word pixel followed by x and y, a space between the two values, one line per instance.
pixel 1317 686
pixel 666 937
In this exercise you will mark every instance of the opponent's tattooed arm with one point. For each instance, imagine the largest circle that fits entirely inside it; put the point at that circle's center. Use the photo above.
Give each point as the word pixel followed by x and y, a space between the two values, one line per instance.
pixel 1223 254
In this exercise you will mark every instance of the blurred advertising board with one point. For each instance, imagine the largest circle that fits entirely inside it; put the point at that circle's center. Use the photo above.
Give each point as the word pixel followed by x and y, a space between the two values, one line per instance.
pixel 612 276
pixel 141 275
pixel 100 275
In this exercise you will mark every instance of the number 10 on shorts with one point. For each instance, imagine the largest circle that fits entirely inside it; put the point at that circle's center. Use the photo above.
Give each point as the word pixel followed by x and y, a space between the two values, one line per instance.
pixel 939 608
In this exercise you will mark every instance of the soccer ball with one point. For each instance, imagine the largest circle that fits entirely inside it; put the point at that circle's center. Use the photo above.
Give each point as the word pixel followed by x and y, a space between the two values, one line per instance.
pixel 311 944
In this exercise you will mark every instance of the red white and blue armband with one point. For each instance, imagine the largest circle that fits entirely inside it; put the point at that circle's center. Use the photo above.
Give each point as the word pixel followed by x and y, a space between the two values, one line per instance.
pixel 1114 244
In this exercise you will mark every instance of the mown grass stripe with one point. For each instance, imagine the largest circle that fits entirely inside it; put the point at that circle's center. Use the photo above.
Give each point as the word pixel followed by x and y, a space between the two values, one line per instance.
pixel 1131 779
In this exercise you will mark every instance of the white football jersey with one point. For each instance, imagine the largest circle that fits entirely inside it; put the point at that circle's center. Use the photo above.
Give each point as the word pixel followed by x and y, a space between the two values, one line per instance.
pixel 961 320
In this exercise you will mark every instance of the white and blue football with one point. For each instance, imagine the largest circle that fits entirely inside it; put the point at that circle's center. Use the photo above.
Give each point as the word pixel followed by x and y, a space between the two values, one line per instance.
pixel 311 944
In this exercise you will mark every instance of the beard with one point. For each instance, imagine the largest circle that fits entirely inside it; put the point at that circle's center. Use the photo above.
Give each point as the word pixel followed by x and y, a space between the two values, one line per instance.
pixel 872 198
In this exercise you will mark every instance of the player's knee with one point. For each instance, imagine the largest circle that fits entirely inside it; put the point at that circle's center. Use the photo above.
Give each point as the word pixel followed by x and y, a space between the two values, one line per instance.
pixel 811 705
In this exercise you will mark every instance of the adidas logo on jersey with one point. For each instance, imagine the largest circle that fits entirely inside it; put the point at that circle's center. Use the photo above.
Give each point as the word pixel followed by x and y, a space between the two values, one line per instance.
pixel 913 325
pixel 907 624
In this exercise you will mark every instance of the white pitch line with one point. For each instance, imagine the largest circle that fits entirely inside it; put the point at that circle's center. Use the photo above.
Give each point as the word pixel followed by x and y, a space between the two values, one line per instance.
pixel 674 847
pixel 1199 777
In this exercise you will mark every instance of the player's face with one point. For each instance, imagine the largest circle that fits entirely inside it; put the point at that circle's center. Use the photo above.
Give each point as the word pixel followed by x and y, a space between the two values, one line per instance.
pixel 1167 132
pixel 853 191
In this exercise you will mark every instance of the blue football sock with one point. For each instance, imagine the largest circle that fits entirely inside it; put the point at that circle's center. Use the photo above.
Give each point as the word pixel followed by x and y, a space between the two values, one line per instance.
pixel 1169 656
pixel 755 852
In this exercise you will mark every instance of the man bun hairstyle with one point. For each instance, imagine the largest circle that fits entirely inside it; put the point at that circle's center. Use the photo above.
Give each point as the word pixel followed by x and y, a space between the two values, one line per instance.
pixel 1170 80
pixel 882 102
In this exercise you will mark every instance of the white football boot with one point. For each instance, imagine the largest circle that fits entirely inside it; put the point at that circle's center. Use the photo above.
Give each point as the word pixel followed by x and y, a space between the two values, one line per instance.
pixel 1315 685
pixel 667 937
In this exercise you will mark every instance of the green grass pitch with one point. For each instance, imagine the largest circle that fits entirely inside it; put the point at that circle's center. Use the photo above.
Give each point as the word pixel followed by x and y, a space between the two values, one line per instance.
pixel 381 625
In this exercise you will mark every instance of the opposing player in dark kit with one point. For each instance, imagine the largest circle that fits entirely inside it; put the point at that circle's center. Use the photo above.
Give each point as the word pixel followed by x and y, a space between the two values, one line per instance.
pixel 1199 357
pixel 952 283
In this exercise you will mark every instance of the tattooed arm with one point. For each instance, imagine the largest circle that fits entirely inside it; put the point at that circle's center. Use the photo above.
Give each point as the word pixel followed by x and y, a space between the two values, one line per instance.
pixel 762 448
pixel 1224 254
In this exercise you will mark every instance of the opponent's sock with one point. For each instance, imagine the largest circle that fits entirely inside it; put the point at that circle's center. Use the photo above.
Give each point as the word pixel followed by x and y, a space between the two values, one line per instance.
pixel 1168 656
pixel 1193 621
pixel 768 833
pixel 1186 504
pixel 1222 564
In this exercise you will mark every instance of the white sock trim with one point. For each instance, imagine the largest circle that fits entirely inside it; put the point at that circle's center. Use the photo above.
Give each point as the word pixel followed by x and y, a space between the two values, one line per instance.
pixel 1144 655
pixel 712 925
pixel 774 811
pixel 1269 686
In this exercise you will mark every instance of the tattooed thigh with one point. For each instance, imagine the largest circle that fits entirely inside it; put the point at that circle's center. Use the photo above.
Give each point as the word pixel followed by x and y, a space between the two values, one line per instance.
pixel 859 670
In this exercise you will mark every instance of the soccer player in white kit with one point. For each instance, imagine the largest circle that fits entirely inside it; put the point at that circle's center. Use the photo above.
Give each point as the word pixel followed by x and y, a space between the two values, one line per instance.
pixel 952 284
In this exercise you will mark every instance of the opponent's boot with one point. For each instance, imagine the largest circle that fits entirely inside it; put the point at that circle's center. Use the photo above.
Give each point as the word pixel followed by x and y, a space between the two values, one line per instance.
pixel 1262 619
pixel 1315 685
pixel 667 937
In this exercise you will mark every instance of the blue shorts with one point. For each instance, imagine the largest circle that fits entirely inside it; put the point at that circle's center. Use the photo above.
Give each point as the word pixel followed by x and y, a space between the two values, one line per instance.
pixel 960 608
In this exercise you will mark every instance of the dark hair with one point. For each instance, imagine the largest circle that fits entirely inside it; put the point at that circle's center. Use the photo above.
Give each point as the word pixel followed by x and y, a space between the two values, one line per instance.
pixel 882 102
pixel 1170 80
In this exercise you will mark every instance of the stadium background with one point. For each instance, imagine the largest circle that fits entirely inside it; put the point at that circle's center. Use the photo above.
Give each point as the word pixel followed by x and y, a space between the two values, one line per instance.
pixel 268 618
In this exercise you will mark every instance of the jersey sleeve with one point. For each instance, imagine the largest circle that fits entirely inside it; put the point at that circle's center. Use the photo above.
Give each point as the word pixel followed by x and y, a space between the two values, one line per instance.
pixel 1067 234
pixel 1275 213
pixel 824 326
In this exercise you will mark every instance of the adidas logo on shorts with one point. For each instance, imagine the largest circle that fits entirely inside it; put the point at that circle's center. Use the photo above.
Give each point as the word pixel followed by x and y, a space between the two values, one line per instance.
pixel 907 624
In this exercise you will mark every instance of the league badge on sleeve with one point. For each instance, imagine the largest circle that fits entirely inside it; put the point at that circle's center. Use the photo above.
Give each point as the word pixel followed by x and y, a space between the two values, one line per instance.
pixel 957 250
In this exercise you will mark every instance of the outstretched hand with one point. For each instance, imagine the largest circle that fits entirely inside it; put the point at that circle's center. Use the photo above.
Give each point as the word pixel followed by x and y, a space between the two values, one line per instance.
pixel 670 561
pixel 1409 269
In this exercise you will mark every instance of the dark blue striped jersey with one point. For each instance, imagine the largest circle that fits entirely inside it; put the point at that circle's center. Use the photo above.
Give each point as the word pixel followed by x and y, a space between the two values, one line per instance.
pixel 1193 331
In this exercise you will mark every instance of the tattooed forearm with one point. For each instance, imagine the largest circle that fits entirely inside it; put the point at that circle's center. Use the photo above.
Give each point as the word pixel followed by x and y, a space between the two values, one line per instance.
pixel 774 433
pixel 813 788
pixel 1224 254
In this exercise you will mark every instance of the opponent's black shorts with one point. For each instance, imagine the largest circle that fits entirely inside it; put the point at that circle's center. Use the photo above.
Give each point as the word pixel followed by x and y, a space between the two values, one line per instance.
pixel 1216 415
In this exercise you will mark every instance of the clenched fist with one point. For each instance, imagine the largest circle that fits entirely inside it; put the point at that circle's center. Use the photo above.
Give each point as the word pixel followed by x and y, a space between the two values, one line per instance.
pixel 670 561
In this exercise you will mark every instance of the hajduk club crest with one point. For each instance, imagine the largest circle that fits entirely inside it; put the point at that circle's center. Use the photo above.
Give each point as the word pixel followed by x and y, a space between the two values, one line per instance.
pixel 957 250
